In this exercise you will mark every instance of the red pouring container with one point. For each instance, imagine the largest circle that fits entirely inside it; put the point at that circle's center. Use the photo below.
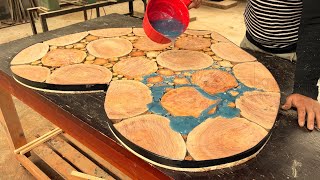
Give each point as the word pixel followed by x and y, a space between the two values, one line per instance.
pixel 165 9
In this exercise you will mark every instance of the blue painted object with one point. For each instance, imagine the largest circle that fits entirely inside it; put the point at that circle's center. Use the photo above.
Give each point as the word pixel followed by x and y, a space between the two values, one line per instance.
pixel 170 28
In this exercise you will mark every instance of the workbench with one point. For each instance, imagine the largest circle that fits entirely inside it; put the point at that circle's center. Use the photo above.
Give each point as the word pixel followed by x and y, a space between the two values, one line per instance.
pixel 291 152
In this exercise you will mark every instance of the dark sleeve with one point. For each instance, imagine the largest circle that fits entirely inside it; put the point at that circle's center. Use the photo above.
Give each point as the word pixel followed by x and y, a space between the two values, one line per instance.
pixel 308 50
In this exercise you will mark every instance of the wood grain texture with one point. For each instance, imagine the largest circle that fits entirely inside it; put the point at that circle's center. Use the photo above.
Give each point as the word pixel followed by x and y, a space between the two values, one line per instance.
pixel 231 52
pixel 81 74
pixel 32 73
pixel 219 137
pixel 259 107
pixel 180 60
pixel 111 32
pixel 185 101
pixel 146 44
pixel 67 40
pixel 256 75
pixel 63 57
pixel 192 43
pixel 214 81
pixel 135 67
pixel 109 47
pixel 218 37
pixel 30 54
pixel 139 32
pixel 118 105
pixel 153 133
pixel 197 32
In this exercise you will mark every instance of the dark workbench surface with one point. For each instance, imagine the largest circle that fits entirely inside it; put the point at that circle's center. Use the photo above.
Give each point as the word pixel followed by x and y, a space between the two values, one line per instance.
pixel 291 151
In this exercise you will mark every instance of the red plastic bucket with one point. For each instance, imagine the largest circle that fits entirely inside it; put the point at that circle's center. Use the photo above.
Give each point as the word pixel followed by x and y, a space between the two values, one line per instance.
pixel 158 10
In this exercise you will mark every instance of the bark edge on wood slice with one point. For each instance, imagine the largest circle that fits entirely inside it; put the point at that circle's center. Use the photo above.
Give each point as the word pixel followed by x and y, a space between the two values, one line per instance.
pixel 218 37
pixel 185 101
pixel 63 57
pixel 111 32
pixel 139 32
pixel 181 60
pixel 30 54
pixel 126 98
pixel 214 81
pixel 220 137
pixel 197 32
pixel 259 107
pixel 135 67
pixel 67 40
pixel 231 52
pixel 80 74
pixel 256 75
pixel 153 133
pixel 32 73
pixel 192 43
pixel 146 44
pixel 109 47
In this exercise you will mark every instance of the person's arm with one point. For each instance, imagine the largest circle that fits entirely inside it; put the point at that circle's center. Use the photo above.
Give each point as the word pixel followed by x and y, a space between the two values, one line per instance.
pixel 308 67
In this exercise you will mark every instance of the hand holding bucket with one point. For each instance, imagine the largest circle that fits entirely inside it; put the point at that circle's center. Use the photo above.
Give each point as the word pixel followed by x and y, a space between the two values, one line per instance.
pixel 165 20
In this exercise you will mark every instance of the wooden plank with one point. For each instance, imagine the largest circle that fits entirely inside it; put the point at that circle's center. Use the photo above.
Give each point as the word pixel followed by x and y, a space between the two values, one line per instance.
pixel 100 160
pixel 31 167
pixel 77 159
pixel 9 119
pixel 84 176
pixel 55 161
pixel 220 4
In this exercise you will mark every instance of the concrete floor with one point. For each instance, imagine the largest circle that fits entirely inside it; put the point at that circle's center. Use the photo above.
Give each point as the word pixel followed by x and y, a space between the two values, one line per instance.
pixel 229 23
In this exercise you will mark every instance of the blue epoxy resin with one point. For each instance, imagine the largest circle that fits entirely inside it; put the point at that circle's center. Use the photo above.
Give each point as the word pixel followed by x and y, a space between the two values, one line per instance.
pixel 170 28
pixel 185 124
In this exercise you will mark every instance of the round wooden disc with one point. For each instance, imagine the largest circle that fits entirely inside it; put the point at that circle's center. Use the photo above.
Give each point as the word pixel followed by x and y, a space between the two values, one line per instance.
pixel 214 81
pixel 63 57
pixel 192 43
pixel 145 44
pixel 197 32
pixel 231 52
pixel 80 74
pixel 67 40
pixel 219 137
pixel 111 32
pixel 185 101
pixel 139 32
pixel 259 107
pixel 109 47
pixel 153 133
pixel 218 37
pixel 127 98
pixel 181 60
pixel 30 54
pixel 256 75
pixel 135 67
pixel 32 73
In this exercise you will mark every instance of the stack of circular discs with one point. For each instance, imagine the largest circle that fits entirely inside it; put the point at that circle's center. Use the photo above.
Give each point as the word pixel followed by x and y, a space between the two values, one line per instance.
pixel 196 100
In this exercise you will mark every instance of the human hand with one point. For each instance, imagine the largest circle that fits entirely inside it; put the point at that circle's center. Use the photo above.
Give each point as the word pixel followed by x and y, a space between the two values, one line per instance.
pixel 195 4
pixel 305 106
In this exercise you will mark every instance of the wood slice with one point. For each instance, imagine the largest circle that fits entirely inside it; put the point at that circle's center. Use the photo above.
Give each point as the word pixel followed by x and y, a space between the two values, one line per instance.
pixel 30 54
pixel 214 81
pixel 181 60
pixel 81 74
pixel 185 101
pixel 259 107
pixel 153 133
pixel 63 57
pixel 146 44
pixel 127 98
pixel 111 32
pixel 109 47
pixel 139 32
pixel 197 32
pixel 219 137
pixel 67 40
pixel 218 37
pixel 256 75
pixel 32 73
pixel 231 52
pixel 135 67
pixel 192 43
